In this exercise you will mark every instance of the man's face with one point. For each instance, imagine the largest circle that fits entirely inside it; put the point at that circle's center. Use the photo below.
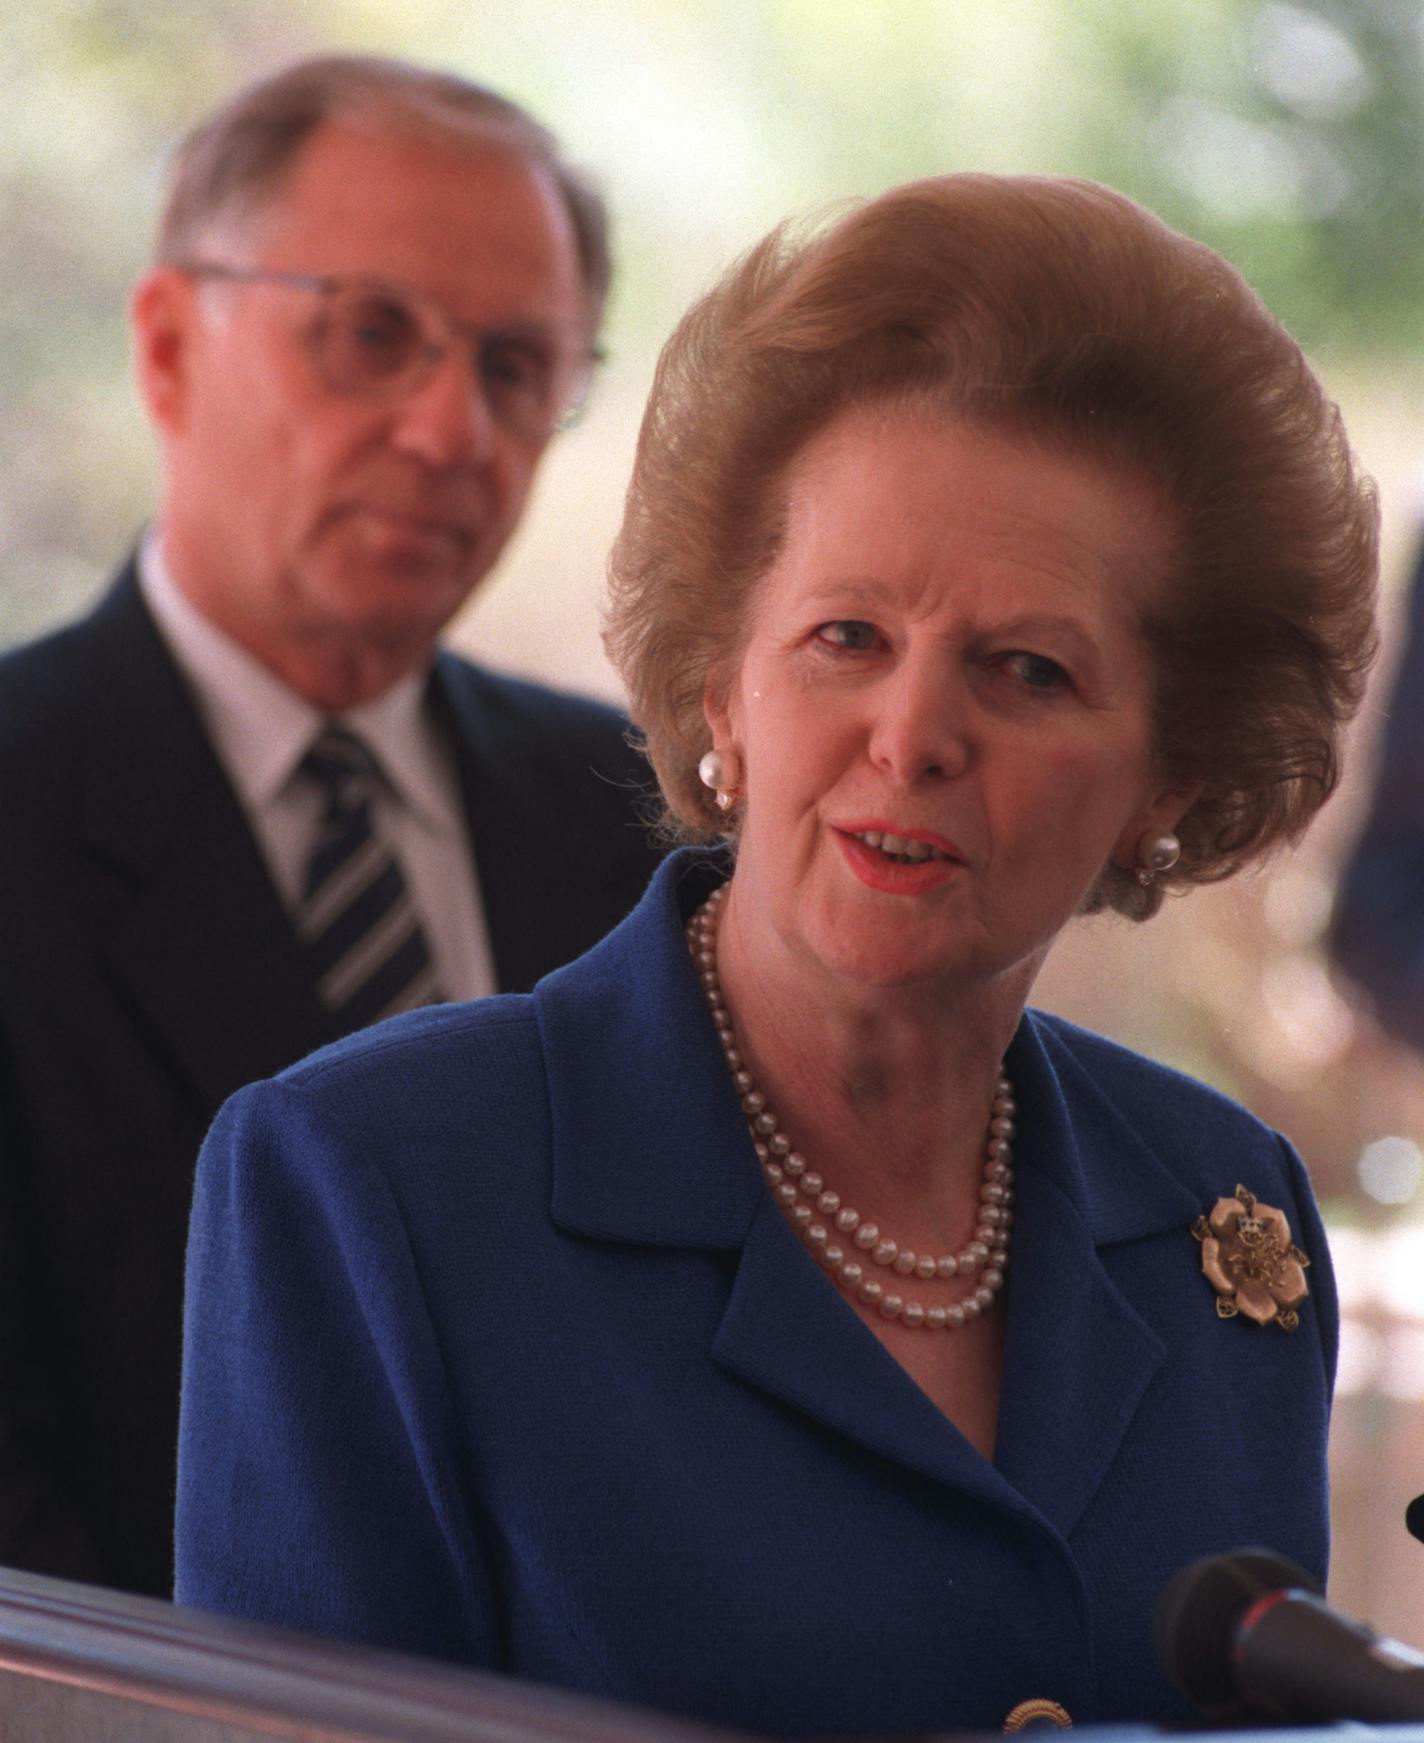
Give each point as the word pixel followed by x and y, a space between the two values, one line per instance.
pixel 316 526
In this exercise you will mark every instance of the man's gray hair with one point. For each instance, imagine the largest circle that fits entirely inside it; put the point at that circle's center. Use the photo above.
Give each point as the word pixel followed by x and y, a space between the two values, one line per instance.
pixel 232 164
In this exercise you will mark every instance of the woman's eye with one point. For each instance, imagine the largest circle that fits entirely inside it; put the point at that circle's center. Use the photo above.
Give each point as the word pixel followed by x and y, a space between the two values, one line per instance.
pixel 849 633
pixel 1036 671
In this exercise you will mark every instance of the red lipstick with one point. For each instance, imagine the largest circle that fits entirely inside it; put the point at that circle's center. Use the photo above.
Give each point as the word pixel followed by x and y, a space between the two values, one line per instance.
pixel 878 871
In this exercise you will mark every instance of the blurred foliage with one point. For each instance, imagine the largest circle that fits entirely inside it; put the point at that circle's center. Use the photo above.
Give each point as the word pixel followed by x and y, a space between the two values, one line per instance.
pixel 1289 135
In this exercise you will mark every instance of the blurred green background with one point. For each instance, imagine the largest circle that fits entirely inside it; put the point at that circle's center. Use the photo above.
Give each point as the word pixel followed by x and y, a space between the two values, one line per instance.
pixel 1288 135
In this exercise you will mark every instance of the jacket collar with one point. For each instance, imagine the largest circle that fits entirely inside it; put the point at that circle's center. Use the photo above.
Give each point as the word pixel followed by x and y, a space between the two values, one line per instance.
pixel 675 1168
pixel 145 752
pixel 690 1178
pixel 1086 1145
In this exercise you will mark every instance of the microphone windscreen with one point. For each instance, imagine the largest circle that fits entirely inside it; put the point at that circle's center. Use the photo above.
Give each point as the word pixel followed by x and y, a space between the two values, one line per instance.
pixel 1414 1517
pixel 1197 1616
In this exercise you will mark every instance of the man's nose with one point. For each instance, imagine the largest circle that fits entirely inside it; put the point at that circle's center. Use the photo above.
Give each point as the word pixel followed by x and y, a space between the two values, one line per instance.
pixel 922 723
pixel 447 420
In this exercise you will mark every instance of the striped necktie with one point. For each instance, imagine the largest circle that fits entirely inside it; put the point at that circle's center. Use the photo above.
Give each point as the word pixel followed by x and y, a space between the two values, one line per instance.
pixel 362 933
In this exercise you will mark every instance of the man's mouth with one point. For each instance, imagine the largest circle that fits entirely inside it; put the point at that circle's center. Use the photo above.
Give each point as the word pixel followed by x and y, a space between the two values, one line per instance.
pixel 414 523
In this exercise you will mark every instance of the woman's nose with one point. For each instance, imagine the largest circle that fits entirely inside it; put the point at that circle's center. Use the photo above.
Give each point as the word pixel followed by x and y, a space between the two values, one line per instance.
pixel 921 724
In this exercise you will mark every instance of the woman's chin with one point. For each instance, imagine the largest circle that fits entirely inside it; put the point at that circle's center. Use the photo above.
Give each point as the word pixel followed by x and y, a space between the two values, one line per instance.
pixel 879 963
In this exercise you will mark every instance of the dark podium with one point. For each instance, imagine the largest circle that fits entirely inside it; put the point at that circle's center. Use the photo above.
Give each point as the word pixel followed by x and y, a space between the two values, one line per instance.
pixel 82 1665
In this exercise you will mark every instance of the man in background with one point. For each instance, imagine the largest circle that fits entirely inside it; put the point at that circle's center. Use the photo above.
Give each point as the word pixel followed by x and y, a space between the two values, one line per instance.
pixel 248 805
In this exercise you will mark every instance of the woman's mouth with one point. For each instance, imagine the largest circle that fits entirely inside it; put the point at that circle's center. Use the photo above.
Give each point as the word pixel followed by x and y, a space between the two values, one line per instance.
pixel 906 850
pixel 886 860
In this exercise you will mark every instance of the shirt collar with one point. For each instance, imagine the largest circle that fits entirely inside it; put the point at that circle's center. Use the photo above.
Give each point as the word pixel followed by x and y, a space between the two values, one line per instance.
pixel 261 728
pixel 398 728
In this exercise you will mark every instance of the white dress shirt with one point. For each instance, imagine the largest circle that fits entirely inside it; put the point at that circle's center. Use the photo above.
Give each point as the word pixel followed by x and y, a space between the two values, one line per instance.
pixel 261 729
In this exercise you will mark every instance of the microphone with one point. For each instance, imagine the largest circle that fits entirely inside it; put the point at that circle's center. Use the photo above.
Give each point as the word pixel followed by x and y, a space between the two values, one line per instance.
pixel 1247 1636
pixel 1414 1517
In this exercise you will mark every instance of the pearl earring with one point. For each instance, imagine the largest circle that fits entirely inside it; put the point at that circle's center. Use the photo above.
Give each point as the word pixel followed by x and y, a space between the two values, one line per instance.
pixel 721 771
pixel 1156 853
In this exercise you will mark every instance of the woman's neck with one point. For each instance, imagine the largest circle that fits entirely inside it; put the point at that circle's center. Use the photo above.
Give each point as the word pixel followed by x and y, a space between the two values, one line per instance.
pixel 886 1091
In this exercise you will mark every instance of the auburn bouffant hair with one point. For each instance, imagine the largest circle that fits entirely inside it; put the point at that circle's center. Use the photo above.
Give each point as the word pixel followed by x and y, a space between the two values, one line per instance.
pixel 1063 313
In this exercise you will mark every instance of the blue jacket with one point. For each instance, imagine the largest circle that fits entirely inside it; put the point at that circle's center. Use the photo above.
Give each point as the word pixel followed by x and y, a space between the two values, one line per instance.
pixel 497 1349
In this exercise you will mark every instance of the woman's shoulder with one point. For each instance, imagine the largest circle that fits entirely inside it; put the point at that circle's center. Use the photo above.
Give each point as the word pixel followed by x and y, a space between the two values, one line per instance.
pixel 478 1037
pixel 487 1076
pixel 1120 1069
pixel 1146 1151
pixel 384 1139
pixel 417 1081
pixel 1188 1125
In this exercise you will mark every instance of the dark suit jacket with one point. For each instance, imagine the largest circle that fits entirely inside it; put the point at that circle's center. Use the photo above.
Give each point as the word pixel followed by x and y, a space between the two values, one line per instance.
pixel 147 970
pixel 497 1348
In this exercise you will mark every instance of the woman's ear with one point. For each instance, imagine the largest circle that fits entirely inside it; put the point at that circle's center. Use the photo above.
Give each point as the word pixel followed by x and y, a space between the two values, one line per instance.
pixel 1156 822
pixel 721 768
pixel 717 708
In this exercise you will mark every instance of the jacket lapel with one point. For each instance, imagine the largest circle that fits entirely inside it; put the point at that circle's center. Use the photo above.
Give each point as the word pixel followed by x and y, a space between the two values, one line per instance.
pixel 672 1165
pixel 789 1331
pixel 200 943
pixel 1078 1357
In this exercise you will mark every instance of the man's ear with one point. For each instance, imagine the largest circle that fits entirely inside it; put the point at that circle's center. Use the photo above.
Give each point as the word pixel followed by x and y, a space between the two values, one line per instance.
pixel 164 317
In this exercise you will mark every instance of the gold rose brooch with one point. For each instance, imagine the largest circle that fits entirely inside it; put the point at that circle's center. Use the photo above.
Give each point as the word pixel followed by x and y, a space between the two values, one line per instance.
pixel 1251 1262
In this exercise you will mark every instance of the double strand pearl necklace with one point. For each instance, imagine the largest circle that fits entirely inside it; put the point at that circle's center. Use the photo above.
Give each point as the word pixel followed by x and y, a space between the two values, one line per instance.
pixel 819 1213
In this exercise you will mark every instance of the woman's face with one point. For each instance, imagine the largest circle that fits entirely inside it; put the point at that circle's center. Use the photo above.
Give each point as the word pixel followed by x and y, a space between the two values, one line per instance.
pixel 944 653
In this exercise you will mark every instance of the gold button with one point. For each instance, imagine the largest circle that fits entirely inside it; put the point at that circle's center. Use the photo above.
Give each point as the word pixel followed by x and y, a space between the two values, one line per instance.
pixel 1035 1712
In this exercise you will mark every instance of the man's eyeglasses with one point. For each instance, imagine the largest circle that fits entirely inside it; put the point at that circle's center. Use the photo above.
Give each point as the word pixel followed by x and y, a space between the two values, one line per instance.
pixel 381 340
